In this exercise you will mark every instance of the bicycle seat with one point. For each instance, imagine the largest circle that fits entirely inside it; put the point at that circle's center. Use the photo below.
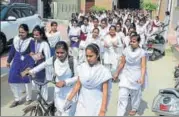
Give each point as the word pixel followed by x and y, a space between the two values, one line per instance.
pixel 170 91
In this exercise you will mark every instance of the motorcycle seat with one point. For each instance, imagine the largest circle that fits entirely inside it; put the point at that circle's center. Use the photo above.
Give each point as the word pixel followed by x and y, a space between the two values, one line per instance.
pixel 170 91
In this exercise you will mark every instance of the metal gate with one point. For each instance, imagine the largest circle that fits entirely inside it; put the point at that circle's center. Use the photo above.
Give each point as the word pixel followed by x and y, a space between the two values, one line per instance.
pixel 62 9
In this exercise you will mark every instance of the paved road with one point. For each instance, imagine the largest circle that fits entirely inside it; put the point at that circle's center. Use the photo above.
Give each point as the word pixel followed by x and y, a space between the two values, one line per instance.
pixel 160 76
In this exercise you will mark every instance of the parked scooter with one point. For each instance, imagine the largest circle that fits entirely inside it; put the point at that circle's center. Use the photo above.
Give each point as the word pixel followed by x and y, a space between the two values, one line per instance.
pixel 155 46
pixel 166 103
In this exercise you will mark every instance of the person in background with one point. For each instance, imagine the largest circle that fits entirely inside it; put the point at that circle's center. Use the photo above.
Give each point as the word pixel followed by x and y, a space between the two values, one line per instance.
pixel 166 23
pixel 85 29
pixel 74 35
pixel 93 38
pixel 54 36
pixel 113 47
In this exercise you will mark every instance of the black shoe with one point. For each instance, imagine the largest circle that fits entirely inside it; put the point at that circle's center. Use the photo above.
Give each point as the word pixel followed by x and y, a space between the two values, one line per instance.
pixel 28 102
pixel 14 104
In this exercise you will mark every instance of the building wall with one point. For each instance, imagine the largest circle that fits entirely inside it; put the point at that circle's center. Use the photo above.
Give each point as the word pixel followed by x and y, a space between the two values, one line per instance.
pixel 174 14
pixel 104 3
pixel 82 5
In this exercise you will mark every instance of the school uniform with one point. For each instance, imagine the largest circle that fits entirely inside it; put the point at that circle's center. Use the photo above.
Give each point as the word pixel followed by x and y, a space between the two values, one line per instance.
pixel 20 59
pixel 43 49
pixel 91 94
pixel 128 80
pixel 53 39
pixel 63 72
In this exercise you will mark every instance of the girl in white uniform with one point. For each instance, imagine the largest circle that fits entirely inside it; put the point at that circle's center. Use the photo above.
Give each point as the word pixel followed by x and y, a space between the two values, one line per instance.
pixel 113 48
pixel 127 38
pixel 42 53
pixel 53 36
pixel 93 86
pixel 104 30
pixel 85 28
pixel 74 35
pixel 119 31
pixel 64 76
pixel 141 29
pixel 132 77
pixel 93 38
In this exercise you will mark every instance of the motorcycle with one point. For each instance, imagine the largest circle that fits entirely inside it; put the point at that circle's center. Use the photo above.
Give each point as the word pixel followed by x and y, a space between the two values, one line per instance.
pixel 155 46
pixel 166 103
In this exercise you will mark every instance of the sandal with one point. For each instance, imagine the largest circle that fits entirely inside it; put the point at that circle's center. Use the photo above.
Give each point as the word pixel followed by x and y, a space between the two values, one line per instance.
pixel 132 113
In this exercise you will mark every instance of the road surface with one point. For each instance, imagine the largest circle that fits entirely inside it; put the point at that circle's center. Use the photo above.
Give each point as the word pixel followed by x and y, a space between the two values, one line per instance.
pixel 160 76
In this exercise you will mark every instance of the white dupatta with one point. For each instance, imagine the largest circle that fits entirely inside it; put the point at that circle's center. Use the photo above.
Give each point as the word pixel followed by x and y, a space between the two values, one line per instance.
pixel 21 45
pixel 92 77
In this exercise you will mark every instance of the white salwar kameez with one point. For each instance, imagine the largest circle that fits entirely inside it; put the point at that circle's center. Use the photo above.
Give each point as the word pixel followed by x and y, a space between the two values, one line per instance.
pixel 90 95
pixel 62 72
pixel 112 54
pixel 129 76
pixel 45 49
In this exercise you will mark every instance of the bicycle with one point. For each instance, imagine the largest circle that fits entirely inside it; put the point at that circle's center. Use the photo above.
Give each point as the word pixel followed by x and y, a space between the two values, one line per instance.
pixel 40 107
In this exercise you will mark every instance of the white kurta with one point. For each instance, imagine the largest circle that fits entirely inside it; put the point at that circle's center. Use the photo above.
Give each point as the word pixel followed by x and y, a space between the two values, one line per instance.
pixel 90 95
pixel 62 72
pixel 53 38
pixel 132 69
pixel 112 54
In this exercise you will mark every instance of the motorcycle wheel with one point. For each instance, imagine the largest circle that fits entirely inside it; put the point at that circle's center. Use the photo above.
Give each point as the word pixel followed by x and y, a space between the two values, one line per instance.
pixel 153 57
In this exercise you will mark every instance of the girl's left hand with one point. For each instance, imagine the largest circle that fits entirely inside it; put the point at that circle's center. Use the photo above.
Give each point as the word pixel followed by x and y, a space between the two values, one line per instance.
pixel 101 113
pixel 141 81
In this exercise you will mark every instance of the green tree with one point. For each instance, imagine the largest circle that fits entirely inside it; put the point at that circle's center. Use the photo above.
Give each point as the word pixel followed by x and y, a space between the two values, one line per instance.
pixel 97 9
pixel 149 6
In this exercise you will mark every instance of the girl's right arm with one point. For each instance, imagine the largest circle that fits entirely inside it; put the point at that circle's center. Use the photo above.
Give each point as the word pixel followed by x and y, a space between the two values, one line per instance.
pixel 48 62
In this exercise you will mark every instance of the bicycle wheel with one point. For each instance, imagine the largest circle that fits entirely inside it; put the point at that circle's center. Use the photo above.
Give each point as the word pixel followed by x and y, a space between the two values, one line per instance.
pixel 33 110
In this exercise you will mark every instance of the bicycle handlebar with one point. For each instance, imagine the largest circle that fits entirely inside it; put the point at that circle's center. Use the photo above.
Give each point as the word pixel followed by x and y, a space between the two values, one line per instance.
pixel 42 84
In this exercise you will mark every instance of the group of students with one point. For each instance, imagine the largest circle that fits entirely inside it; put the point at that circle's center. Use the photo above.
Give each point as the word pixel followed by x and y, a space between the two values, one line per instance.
pixel 104 47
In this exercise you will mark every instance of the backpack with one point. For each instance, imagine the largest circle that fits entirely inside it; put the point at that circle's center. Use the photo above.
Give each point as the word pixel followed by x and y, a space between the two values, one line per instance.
pixel 70 62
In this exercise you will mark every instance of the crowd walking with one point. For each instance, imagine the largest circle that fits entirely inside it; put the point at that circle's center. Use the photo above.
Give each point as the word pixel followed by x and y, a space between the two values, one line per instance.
pixel 104 47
